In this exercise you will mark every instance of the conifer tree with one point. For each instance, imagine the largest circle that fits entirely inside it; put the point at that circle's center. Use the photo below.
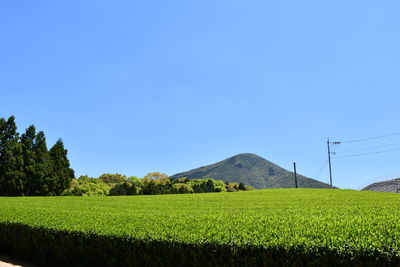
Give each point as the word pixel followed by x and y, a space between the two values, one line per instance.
pixel 62 173
pixel 11 162
pixel 242 187
pixel 42 180
pixel 3 126
pixel 27 141
pixel 26 165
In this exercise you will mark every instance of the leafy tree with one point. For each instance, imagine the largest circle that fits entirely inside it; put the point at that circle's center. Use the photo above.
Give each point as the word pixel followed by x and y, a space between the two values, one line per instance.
pixel 136 181
pixel 219 186
pixel 11 161
pixel 206 185
pixel 182 180
pixel 151 188
pixel 123 189
pixel 86 178
pixel 156 183
pixel 157 176
pixel 232 187
pixel 112 178
pixel 86 186
pixel 62 173
pixel 209 186
pixel 181 188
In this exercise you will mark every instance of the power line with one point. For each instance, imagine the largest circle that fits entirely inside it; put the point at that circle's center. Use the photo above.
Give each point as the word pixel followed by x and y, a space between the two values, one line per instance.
pixel 365 148
pixel 360 149
pixel 371 138
pixel 364 154
pixel 320 171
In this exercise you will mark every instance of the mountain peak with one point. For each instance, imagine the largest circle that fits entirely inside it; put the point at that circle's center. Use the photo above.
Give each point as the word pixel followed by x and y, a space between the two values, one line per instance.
pixel 246 156
pixel 251 169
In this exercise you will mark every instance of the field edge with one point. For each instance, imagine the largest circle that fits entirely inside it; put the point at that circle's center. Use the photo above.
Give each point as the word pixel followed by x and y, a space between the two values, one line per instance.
pixel 50 246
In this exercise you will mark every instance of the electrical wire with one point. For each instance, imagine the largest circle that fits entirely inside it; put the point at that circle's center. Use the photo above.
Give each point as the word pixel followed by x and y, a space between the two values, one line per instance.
pixel 371 138
pixel 320 171
pixel 365 148
pixel 364 154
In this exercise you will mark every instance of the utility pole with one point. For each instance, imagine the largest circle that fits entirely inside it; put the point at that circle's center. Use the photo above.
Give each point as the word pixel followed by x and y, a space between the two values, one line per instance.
pixel 295 174
pixel 329 159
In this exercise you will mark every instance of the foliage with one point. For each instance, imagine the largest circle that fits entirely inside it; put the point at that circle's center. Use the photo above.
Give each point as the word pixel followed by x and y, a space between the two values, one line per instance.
pixel 152 184
pixel 206 185
pixel 249 187
pixel 156 176
pixel 256 228
pixel 124 189
pixel 135 181
pixel 232 187
pixel 86 186
pixel 181 188
pixel 112 178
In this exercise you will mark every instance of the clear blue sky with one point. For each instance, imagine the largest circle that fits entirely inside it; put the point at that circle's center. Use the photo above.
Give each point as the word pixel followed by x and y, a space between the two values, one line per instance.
pixel 140 86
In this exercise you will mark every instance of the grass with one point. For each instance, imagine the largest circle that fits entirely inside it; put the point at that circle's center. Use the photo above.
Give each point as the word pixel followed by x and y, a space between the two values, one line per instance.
pixel 343 221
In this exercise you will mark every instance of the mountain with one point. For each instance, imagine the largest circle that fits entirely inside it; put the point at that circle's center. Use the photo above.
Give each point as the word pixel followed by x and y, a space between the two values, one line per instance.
pixel 391 186
pixel 253 170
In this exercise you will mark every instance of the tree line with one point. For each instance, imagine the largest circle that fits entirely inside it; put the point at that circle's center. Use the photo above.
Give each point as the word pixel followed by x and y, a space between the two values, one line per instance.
pixel 154 183
pixel 27 167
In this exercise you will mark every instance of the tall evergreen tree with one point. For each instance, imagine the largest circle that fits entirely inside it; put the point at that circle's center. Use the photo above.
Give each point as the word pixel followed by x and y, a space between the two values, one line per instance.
pixel 42 180
pixel 62 173
pixel 27 141
pixel 11 161
pixel 3 127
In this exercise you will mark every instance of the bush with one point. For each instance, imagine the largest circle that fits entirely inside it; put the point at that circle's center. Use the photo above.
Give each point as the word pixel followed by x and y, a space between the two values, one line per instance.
pixel 57 247
pixel 123 189
pixel 232 187
pixel 249 187
pixel 85 186
pixel 180 188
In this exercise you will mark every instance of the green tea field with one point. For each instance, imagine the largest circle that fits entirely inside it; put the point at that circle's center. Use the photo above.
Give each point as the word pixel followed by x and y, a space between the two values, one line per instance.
pixel 259 227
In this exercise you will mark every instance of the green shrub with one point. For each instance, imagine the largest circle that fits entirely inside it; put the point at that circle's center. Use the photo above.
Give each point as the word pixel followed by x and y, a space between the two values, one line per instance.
pixel 87 187
pixel 124 189
pixel 180 188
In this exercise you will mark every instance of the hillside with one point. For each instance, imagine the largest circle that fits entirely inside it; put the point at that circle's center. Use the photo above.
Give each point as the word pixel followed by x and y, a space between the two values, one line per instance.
pixel 390 186
pixel 253 170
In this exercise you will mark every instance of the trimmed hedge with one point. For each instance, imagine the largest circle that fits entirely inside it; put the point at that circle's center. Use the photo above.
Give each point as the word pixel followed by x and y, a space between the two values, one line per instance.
pixel 50 247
